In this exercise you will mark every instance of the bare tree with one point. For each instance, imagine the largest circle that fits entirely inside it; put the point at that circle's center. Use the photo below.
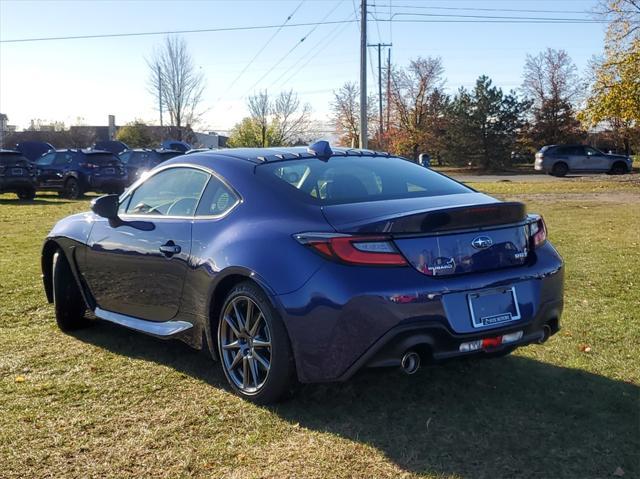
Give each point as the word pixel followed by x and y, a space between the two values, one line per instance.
pixel 291 121
pixel 346 113
pixel 552 84
pixel 259 109
pixel 551 75
pixel 174 79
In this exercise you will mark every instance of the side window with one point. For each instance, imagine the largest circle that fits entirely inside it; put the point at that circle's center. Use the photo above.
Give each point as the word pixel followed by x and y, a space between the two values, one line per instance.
pixel 46 160
pixel 125 157
pixel 217 199
pixel 62 158
pixel 592 151
pixel 172 192
pixel 576 150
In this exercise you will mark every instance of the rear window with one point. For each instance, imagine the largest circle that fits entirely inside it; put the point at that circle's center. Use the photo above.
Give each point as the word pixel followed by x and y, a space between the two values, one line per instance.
pixel 356 179
pixel 12 159
pixel 101 158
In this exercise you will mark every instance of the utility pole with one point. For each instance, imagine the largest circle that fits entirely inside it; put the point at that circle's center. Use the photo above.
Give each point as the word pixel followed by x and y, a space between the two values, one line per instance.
pixel 363 73
pixel 388 88
pixel 160 94
pixel 379 47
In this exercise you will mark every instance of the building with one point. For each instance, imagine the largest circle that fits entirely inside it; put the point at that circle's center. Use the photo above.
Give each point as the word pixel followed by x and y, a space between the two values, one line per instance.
pixel 5 128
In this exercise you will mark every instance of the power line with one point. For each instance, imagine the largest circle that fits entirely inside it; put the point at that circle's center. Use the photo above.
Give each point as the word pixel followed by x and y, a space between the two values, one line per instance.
pixel 313 53
pixel 172 32
pixel 489 18
pixel 478 9
pixel 262 49
pixel 298 43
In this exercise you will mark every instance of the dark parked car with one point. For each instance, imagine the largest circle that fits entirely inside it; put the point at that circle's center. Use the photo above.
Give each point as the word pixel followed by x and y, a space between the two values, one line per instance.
pixel 17 175
pixel 75 172
pixel 140 160
pixel 181 146
pixel 113 146
pixel 308 264
pixel 32 150
pixel 559 160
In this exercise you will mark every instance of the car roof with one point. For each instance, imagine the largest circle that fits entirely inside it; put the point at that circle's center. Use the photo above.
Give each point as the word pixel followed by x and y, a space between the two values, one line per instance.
pixel 266 155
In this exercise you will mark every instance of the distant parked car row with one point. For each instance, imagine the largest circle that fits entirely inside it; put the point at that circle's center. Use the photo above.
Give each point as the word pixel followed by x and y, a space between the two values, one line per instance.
pixel 558 160
pixel 74 172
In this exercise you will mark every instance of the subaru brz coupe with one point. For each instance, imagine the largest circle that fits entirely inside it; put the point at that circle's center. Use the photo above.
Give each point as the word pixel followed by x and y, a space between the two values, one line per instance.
pixel 308 264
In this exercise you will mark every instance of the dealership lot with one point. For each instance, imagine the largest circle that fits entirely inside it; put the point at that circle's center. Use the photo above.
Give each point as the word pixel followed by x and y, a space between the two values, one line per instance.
pixel 108 402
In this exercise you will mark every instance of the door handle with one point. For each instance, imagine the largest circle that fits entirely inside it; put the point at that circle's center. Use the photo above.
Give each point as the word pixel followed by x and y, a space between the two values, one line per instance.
pixel 170 248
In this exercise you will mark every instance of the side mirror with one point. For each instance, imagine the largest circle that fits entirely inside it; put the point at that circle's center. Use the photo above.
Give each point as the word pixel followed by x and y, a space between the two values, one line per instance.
pixel 106 206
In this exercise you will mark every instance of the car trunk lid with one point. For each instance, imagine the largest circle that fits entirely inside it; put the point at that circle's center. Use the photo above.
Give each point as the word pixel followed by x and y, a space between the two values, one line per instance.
pixel 443 235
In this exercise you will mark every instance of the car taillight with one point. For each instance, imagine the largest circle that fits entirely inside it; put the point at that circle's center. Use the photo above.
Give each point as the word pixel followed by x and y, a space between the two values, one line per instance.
pixel 538 231
pixel 361 250
pixel 91 166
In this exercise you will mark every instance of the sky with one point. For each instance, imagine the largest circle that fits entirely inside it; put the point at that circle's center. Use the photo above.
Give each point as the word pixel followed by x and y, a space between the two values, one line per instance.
pixel 82 81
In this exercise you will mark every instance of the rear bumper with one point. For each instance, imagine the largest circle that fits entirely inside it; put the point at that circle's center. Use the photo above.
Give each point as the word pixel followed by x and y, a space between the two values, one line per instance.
pixel 345 318
pixel 16 183
pixel 435 342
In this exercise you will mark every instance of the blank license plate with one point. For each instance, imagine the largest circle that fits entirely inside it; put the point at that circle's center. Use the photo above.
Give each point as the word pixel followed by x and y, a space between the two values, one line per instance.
pixel 17 171
pixel 109 171
pixel 496 306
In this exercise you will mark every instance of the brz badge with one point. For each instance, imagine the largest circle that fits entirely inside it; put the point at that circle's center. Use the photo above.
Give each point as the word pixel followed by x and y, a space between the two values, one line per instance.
pixel 482 242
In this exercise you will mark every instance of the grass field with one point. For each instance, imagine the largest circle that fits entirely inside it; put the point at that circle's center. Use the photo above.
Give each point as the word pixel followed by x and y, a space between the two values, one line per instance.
pixel 106 402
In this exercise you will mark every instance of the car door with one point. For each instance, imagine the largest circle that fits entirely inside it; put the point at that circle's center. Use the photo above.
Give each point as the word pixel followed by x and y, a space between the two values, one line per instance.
pixel 577 158
pixel 136 266
pixel 44 169
pixel 596 160
pixel 54 174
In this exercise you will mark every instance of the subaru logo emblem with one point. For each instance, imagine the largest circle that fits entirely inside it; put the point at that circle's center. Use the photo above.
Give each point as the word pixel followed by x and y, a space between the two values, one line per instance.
pixel 481 242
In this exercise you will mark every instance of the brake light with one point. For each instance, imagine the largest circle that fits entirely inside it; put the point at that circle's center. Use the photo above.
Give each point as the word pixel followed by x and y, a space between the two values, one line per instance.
pixel 361 250
pixel 538 232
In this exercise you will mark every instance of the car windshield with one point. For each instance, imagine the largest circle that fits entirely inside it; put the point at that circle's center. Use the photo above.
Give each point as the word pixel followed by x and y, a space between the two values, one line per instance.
pixel 12 159
pixel 351 180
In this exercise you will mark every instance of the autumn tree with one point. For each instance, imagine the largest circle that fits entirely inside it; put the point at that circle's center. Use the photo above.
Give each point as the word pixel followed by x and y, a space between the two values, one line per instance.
pixel 552 84
pixel 418 106
pixel 176 82
pixel 614 98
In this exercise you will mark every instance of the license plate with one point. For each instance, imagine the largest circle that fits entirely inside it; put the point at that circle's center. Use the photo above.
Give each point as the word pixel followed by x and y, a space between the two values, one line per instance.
pixel 17 171
pixel 496 306
pixel 109 171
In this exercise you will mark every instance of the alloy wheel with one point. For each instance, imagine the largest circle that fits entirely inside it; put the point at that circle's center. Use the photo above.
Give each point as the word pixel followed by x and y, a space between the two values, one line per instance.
pixel 244 339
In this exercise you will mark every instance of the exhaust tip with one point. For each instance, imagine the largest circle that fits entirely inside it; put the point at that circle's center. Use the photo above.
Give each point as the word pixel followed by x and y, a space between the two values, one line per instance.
pixel 546 332
pixel 410 362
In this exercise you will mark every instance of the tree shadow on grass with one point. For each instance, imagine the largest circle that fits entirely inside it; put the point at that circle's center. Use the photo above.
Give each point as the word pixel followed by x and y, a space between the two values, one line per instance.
pixel 510 417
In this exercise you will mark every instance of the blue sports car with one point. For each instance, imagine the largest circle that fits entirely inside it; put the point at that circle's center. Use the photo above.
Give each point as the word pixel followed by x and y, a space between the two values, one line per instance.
pixel 308 264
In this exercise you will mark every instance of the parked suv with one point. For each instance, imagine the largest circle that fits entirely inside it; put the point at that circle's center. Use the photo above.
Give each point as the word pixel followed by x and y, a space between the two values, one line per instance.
pixel 74 172
pixel 17 175
pixel 559 160
pixel 139 160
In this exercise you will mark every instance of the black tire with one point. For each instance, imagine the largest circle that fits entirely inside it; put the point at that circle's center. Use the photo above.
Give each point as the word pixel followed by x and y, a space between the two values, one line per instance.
pixel 72 189
pixel 619 168
pixel 67 299
pixel 560 169
pixel 279 379
pixel 26 194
